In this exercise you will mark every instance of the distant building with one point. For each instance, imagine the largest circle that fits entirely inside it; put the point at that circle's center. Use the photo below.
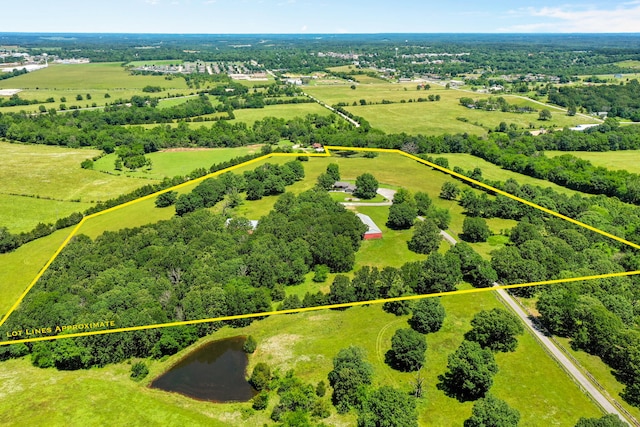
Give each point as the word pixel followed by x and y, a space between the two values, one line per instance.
pixel 374 231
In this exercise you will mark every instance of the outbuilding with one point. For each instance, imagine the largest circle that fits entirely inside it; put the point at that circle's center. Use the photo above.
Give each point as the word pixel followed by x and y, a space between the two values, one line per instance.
pixel 374 231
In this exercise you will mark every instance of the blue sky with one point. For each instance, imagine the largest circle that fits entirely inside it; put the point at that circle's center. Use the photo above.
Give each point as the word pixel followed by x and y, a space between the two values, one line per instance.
pixel 320 16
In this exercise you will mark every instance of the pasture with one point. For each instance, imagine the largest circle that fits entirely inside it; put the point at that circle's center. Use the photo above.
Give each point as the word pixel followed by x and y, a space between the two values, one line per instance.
pixel 628 160
pixel 529 380
pixel 54 172
pixel 436 117
pixel 96 79
pixel 21 214
pixel 170 163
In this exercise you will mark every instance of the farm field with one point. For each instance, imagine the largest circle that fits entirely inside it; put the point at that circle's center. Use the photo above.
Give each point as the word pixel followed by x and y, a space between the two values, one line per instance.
pixel 284 111
pixel 55 172
pixel 628 160
pixel 19 213
pixel 170 163
pixel 528 379
pixel 97 79
pixel 432 118
pixel 21 266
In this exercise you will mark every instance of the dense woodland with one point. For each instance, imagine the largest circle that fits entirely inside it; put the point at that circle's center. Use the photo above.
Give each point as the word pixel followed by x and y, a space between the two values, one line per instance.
pixel 616 100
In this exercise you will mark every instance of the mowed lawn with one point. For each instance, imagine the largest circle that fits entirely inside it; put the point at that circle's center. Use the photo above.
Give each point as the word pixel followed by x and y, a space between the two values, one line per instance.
pixel 628 160
pixel 55 172
pixel 172 163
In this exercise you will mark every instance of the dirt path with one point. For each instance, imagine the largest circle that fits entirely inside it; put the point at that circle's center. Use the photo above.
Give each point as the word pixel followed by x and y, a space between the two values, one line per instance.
pixel 387 193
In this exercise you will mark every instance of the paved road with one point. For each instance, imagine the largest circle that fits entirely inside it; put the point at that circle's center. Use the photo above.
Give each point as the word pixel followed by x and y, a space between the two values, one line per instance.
pixel 552 348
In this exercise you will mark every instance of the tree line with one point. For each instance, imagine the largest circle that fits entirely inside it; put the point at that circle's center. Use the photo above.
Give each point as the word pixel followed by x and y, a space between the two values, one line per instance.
pixel 619 100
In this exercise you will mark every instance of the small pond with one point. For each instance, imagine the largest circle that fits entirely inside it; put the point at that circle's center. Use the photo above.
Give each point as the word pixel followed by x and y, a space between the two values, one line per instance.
pixel 214 372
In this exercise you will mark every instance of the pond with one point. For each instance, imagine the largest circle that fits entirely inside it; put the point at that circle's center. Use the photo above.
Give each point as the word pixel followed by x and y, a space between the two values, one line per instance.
pixel 214 372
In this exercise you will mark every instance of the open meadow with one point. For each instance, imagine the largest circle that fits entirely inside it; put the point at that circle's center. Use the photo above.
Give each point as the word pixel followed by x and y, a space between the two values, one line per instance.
pixel 95 79
pixel 528 379
pixel 55 172
pixel 405 114
pixel 628 160
pixel 174 162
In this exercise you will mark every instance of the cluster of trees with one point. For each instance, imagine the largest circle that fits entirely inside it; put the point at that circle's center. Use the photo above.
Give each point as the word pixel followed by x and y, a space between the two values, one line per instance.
pixel 164 272
pixel 351 380
pixel 494 104
pixel 91 128
pixel 14 73
pixel 619 100
pixel 298 402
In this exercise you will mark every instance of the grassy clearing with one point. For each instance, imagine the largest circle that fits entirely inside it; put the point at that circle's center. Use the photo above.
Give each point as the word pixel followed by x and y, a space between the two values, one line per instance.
pixel 628 160
pixel 173 163
pixel 19 213
pixel 285 111
pixel 528 379
pixel 105 76
pixel 54 172
pixel 97 79
pixel 21 266
pixel 431 118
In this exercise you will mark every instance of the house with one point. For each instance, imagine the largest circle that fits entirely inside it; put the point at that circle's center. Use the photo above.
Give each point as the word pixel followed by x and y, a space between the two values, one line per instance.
pixel 344 186
pixel 318 147
pixel 374 231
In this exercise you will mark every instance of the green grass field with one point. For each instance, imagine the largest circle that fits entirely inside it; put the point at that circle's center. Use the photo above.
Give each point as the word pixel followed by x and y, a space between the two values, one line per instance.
pixel 178 162
pixel 54 172
pixel 96 79
pixel 628 160
pixel 432 118
pixel 528 379
pixel 19 213
pixel 284 111
pixel 21 266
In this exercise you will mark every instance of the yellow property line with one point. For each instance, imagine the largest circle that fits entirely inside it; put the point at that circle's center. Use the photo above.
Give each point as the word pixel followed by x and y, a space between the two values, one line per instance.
pixel 317 308
pixel 327 153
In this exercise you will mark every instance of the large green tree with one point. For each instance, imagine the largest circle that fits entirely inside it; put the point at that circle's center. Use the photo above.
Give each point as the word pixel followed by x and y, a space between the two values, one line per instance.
pixel 350 377
pixel 401 216
pixel 366 186
pixel 495 329
pixel 408 349
pixel 428 315
pixel 388 407
pixel 470 372
pixel 609 420
pixel 490 411
pixel 426 237
pixel 475 229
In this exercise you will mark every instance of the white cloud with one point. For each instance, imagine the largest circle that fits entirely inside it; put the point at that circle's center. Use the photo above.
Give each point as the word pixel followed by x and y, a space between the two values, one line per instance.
pixel 304 28
pixel 152 2
pixel 623 18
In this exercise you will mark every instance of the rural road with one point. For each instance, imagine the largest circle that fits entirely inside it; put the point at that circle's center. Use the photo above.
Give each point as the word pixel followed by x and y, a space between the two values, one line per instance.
pixel 344 116
pixel 551 348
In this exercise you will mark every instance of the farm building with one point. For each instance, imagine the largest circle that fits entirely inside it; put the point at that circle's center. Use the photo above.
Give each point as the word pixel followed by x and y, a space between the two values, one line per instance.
pixel 374 231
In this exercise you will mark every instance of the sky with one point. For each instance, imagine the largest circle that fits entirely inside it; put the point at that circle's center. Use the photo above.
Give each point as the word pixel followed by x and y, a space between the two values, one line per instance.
pixel 320 16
